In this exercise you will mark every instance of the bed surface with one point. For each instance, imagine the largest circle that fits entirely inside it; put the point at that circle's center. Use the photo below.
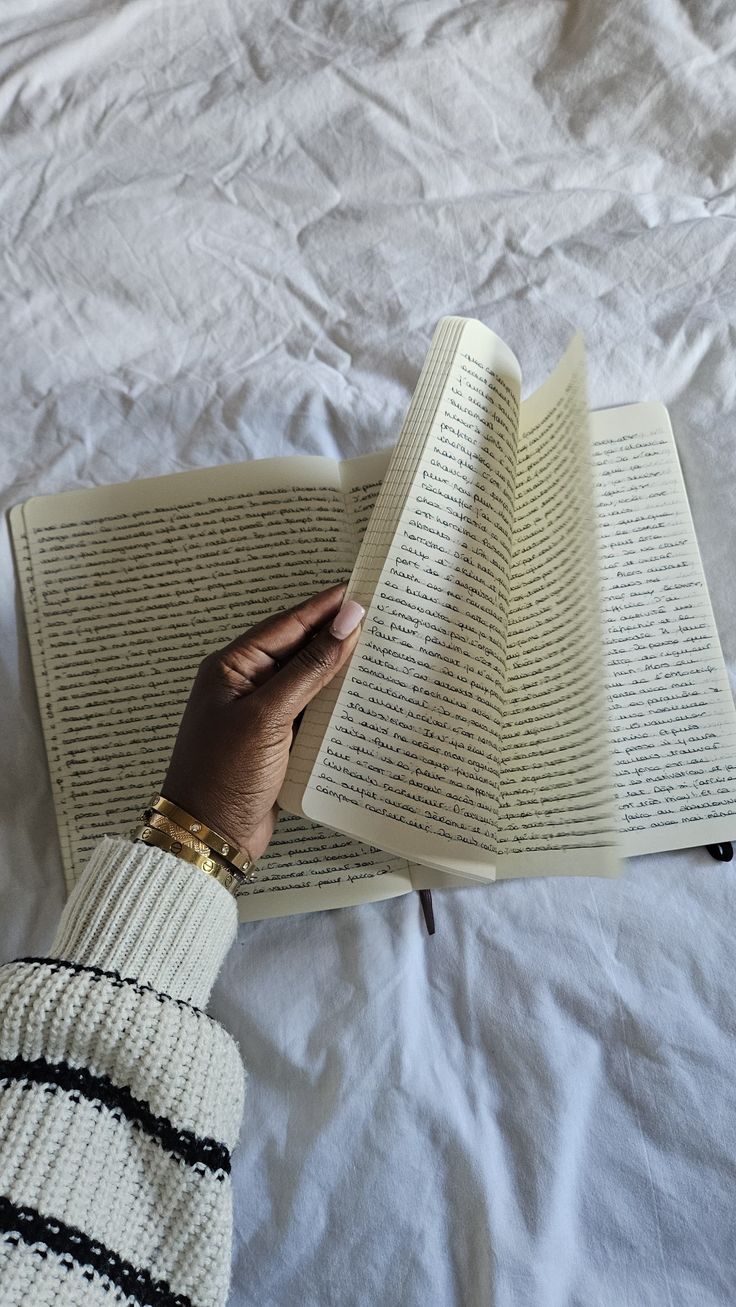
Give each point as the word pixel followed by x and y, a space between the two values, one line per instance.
pixel 228 232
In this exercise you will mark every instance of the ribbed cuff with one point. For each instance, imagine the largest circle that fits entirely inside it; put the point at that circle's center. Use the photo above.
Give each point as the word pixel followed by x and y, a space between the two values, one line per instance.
pixel 149 916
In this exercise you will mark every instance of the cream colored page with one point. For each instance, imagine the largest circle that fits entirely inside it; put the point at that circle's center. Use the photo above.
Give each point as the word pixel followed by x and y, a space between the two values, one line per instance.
pixel 308 868
pixel 557 814
pixel 411 755
pixel 134 585
pixel 672 715
pixel 362 479
pixel 381 524
pixel 26 579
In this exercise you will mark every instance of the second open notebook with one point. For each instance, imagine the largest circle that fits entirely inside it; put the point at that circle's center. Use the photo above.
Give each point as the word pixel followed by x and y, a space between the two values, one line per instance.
pixel 538 686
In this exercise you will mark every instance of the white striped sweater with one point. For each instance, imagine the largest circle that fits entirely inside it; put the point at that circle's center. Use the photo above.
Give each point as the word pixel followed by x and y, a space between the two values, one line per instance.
pixel 120 1099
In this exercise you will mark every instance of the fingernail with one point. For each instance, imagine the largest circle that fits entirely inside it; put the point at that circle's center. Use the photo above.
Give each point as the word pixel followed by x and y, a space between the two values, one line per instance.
pixel 347 619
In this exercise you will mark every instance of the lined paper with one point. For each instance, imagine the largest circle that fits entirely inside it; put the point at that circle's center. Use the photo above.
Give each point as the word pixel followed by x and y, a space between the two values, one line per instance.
pixel 412 754
pixel 557 811
pixel 673 723
pixel 127 588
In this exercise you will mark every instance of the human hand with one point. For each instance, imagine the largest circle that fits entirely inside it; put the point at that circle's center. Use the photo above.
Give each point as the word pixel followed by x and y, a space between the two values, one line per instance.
pixel 231 752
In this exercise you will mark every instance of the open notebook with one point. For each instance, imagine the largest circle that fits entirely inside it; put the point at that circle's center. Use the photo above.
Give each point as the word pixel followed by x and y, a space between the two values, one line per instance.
pixel 539 684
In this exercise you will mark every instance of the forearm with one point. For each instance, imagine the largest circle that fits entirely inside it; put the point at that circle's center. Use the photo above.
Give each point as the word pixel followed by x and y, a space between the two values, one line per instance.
pixel 120 1100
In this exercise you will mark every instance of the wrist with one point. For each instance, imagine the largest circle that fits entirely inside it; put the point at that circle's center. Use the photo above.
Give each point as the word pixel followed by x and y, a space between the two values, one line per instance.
pixel 169 826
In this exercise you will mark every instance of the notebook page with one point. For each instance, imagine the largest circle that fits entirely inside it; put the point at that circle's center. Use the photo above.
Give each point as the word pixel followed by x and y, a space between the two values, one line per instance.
pixel 24 568
pixel 411 755
pixel 379 530
pixel 672 715
pixel 557 813
pixel 362 479
pixel 134 584
pixel 309 868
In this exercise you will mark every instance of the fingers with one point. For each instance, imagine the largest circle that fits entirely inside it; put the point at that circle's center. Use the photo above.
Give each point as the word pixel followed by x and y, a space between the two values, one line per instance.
pixel 313 666
pixel 278 637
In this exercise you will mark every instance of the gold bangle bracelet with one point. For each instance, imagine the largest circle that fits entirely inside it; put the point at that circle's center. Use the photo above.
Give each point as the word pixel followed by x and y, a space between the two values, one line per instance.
pixel 228 877
pixel 239 858
pixel 156 819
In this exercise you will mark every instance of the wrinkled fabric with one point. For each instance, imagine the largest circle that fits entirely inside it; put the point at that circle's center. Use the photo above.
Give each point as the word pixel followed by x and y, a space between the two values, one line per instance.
pixel 227 232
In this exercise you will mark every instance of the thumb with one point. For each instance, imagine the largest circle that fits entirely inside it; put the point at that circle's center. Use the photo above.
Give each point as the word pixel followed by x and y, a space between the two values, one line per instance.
pixel 287 693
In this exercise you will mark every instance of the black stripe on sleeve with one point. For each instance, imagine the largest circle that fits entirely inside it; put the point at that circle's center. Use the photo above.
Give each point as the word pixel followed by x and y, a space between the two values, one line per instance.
pixel 114 977
pixel 45 1234
pixel 196 1150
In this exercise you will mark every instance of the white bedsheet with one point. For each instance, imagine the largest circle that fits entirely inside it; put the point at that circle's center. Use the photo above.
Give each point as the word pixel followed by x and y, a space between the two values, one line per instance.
pixel 228 230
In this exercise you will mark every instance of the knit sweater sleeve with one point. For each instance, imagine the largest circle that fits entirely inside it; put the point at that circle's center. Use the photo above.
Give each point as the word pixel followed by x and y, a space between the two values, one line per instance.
pixel 120 1099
